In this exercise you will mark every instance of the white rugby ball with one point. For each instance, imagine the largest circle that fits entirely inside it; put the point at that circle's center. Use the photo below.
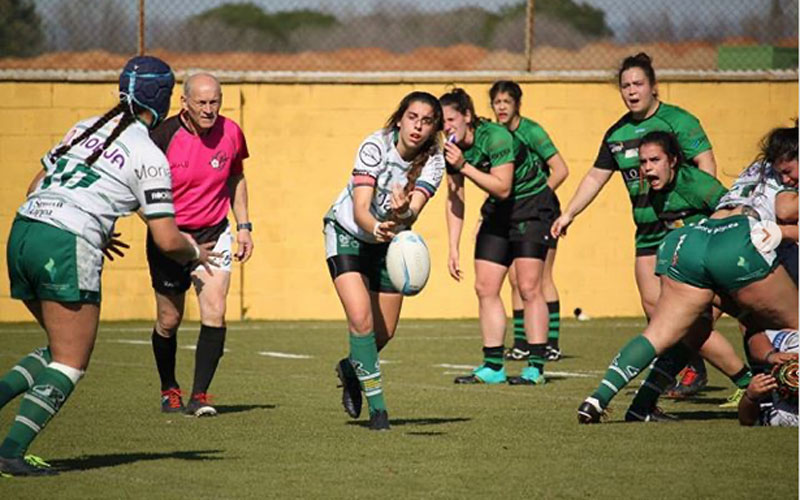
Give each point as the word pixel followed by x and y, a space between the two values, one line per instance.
pixel 408 262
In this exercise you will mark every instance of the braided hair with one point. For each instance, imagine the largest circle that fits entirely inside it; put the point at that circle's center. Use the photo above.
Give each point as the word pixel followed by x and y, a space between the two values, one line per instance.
pixel 431 146
pixel 128 117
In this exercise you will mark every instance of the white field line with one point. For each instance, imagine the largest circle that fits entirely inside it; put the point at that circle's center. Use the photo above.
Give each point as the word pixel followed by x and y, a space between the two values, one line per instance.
pixel 580 374
pixel 188 347
pixel 284 355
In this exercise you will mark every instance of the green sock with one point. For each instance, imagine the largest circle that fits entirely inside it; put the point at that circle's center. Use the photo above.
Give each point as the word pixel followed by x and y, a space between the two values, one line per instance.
pixel 660 378
pixel 554 326
pixel 493 357
pixel 536 358
pixel 42 401
pixel 519 328
pixel 742 378
pixel 21 376
pixel 632 359
pixel 364 358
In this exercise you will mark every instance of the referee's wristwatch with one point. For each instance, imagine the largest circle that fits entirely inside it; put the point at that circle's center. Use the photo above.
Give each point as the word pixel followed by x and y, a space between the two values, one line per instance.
pixel 244 225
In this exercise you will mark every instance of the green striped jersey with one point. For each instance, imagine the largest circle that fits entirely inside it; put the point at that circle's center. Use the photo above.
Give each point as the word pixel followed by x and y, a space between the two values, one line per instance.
pixel 620 151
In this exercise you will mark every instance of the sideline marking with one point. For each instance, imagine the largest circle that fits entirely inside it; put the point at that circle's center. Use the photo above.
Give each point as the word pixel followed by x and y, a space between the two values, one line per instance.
pixel 284 355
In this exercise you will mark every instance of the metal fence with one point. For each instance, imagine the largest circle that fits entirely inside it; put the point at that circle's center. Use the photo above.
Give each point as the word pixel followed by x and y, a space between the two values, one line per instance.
pixel 399 36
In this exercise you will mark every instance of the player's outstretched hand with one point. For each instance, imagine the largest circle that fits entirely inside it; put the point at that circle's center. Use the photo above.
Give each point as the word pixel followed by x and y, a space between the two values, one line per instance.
pixel 115 246
pixel 384 231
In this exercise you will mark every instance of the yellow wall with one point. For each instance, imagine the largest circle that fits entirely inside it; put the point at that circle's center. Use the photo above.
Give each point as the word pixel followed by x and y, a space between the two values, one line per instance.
pixel 302 140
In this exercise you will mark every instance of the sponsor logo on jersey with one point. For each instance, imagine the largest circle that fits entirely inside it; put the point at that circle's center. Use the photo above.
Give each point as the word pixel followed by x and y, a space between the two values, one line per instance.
pixel 630 174
pixel 151 172
pixel 219 160
pixel 162 195
pixel 370 154
pixel 631 153
pixel 615 147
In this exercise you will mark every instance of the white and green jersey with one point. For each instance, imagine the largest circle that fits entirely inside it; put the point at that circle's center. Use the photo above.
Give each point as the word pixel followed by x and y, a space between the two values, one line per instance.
pixel 378 164
pixel 756 188
pixel 87 200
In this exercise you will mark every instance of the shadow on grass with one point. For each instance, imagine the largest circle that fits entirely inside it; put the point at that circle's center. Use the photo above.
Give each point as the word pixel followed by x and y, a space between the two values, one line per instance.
pixel 396 422
pixel 706 415
pixel 223 409
pixel 89 462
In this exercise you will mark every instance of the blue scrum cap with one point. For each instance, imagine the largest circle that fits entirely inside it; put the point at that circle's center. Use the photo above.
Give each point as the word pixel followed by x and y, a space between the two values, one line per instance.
pixel 147 81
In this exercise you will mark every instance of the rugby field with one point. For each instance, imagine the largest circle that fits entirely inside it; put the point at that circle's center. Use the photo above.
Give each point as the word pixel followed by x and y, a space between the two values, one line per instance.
pixel 281 432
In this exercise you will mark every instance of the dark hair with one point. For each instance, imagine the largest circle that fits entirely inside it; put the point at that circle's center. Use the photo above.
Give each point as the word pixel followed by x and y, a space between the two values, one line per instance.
pixel 432 145
pixel 668 142
pixel 642 61
pixel 127 118
pixel 459 99
pixel 779 145
pixel 508 87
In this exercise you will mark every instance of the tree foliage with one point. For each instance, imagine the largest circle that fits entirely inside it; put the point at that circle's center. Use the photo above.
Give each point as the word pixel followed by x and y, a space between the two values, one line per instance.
pixel 20 28
pixel 248 16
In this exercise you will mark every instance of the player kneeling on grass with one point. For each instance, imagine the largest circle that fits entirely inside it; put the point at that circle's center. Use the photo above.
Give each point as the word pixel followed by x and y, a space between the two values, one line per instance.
pixel 397 169
pixel 731 255
pixel 55 249
pixel 771 398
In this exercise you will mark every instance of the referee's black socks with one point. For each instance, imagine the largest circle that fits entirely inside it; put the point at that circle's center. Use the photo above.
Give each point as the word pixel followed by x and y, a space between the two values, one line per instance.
pixel 210 347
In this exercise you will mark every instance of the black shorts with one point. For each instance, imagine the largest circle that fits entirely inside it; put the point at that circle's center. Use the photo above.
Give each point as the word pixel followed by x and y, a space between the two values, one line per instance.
pixel 169 277
pixel 503 236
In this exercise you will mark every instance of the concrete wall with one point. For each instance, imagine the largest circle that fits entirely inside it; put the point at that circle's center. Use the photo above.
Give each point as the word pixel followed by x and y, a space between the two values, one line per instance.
pixel 302 140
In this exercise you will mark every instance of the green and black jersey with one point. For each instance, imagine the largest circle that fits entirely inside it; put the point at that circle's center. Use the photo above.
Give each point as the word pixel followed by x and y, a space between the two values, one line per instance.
pixel 540 149
pixel 691 196
pixel 620 151
pixel 494 145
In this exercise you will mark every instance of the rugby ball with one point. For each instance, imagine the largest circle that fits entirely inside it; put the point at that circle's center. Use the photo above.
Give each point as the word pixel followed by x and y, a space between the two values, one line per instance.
pixel 408 262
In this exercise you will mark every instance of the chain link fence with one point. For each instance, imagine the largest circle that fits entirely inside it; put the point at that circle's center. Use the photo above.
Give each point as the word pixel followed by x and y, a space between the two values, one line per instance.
pixel 350 36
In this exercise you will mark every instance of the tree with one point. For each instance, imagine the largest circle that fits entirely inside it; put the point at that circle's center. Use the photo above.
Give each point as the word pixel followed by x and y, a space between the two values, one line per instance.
pixel 20 28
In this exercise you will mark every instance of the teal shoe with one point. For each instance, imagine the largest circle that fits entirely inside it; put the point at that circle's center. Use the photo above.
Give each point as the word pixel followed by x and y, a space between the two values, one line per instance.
pixel 483 375
pixel 530 376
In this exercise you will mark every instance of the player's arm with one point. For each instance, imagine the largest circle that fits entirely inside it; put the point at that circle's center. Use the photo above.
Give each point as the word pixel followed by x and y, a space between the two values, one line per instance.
pixel 706 162
pixel 237 186
pixel 362 198
pixel 176 245
pixel 454 216
pixel 558 171
pixel 762 350
pixel 496 182
pixel 590 186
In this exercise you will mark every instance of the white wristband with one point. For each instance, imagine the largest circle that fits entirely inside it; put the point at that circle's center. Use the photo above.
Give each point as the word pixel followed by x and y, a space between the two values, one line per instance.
pixel 196 251
pixel 375 229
